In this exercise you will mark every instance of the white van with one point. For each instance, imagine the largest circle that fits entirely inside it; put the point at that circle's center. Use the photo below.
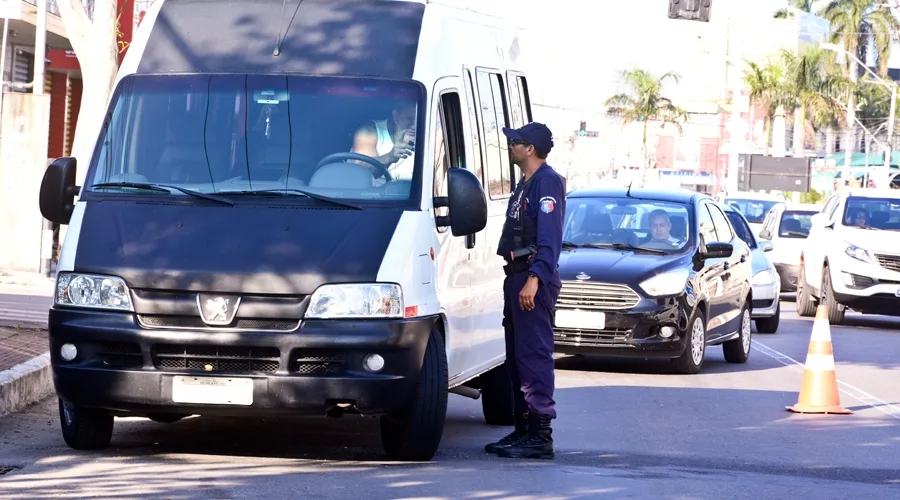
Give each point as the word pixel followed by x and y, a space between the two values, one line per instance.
pixel 229 255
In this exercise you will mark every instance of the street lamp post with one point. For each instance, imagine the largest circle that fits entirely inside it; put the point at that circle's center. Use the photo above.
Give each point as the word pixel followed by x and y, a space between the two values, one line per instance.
pixel 892 86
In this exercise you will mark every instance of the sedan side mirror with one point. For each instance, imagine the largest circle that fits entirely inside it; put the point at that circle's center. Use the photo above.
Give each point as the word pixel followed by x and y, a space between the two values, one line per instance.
pixel 466 201
pixel 718 250
pixel 58 190
pixel 766 245
pixel 765 234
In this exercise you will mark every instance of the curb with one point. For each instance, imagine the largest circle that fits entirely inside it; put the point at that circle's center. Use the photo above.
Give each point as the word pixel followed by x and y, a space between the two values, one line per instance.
pixel 25 384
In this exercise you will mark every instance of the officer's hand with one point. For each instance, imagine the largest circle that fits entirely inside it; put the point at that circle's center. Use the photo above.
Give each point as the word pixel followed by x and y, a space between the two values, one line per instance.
pixel 526 296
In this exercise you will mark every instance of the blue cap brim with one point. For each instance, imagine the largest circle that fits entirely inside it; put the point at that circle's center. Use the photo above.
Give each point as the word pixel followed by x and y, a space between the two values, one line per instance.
pixel 512 134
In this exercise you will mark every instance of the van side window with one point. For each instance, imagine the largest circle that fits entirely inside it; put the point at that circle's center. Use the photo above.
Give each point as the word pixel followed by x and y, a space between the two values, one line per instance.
pixel 494 112
pixel 526 99
pixel 476 163
pixel 515 102
pixel 448 144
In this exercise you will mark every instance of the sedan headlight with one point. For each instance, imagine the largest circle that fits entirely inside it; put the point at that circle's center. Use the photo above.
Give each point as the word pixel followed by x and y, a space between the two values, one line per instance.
pixel 356 300
pixel 765 277
pixel 858 253
pixel 668 283
pixel 92 291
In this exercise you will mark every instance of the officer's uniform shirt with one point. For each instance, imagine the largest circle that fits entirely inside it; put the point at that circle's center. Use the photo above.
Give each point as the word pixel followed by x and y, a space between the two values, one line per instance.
pixel 541 204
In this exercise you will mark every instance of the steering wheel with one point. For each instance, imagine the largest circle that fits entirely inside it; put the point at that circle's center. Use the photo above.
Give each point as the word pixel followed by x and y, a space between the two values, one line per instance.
pixel 382 169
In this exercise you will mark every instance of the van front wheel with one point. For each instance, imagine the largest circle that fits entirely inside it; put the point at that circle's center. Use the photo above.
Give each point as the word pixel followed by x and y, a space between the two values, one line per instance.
pixel 414 433
pixel 85 428
pixel 497 396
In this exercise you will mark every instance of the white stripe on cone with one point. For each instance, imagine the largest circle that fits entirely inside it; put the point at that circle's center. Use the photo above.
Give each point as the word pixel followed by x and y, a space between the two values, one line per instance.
pixel 821 331
pixel 820 362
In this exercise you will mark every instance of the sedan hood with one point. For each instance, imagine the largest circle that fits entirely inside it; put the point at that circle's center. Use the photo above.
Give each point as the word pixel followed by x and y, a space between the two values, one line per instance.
pixel 616 266
pixel 259 248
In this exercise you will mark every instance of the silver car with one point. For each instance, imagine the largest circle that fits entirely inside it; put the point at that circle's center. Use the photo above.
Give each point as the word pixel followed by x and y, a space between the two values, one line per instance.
pixel 766 282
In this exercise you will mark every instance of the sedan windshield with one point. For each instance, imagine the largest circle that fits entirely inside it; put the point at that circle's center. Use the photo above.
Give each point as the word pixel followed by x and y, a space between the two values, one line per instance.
pixel 627 223
pixel 240 136
pixel 754 210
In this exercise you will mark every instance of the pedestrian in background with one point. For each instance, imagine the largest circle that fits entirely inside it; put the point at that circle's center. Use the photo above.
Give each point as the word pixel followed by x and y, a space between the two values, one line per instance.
pixel 530 243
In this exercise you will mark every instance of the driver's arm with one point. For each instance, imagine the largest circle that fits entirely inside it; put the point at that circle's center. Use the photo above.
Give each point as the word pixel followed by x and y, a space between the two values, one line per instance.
pixel 364 143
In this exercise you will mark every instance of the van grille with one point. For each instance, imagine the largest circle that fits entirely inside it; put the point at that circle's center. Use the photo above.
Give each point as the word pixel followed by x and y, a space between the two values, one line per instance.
pixel 595 295
pixel 222 359
pixel 195 323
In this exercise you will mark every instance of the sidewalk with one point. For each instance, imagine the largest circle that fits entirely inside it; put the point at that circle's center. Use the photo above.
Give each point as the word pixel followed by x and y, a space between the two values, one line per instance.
pixel 25 375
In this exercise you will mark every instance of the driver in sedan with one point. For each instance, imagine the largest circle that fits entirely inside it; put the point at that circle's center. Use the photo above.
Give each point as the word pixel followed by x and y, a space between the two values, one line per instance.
pixel 661 231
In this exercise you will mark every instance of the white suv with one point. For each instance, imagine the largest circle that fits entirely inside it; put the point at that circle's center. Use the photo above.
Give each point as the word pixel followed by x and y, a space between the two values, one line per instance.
pixel 851 258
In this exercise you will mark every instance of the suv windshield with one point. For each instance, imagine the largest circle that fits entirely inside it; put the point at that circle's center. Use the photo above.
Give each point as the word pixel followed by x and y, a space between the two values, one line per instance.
pixel 627 222
pixel 754 210
pixel 795 223
pixel 240 135
pixel 874 213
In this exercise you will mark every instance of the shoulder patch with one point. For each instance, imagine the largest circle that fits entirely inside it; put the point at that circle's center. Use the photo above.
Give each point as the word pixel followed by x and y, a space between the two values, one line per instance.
pixel 547 203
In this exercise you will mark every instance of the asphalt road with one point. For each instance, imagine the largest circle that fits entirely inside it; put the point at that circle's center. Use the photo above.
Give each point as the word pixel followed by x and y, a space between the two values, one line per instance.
pixel 626 430
pixel 24 306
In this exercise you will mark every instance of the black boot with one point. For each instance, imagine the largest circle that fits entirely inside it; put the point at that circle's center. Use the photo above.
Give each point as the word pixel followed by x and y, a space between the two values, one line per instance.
pixel 521 431
pixel 537 444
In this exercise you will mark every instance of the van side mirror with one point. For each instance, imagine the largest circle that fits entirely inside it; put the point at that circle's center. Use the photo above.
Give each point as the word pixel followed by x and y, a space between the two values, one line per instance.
pixel 466 201
pixel 766 245
pixel 58 190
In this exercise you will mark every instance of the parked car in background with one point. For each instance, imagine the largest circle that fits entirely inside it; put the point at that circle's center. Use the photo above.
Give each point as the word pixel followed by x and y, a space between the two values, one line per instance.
pixel 754 206
pixel 851 259
pixel 766 283
pixel 652 273
pixel 787 227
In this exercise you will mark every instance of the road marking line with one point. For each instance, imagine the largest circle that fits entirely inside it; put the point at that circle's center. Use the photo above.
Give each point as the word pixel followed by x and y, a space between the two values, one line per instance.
pixel 861 395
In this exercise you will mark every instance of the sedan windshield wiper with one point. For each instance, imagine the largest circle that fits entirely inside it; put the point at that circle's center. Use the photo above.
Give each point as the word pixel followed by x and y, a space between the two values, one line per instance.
pixel 291 192
pixel 166 188
pixel 625 246
pixel 569 244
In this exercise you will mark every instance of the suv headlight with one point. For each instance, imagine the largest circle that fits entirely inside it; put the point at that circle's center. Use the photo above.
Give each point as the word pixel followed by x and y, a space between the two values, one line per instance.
pixel 668 283
pixel 858 253
pixel 356 300
pixel 765 277
pixel 92 291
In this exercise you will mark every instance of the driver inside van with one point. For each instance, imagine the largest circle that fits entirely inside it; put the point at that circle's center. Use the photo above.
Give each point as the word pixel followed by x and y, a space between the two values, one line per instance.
pixel 660 231
pixel 390 141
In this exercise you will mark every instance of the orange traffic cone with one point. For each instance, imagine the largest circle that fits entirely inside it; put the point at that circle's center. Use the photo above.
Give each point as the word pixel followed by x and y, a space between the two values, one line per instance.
pixel 819 393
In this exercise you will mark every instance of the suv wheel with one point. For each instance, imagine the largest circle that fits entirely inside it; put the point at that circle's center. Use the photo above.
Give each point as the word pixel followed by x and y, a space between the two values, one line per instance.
pixel 806 305
pixel 835 310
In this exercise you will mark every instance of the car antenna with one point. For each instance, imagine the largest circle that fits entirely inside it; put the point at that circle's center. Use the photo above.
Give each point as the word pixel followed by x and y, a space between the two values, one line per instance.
pixel 628 193
pixel 280 38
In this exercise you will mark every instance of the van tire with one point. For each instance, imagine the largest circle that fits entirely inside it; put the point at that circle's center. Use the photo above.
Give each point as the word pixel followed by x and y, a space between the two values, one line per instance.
pixel 414 433
pixel 497 396
pixel 85 428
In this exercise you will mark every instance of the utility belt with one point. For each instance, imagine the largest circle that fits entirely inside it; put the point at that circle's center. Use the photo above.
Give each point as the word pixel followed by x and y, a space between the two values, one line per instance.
pixel 519 260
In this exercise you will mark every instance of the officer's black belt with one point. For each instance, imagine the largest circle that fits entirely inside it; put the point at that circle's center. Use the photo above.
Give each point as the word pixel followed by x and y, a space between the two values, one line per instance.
pixel 516 267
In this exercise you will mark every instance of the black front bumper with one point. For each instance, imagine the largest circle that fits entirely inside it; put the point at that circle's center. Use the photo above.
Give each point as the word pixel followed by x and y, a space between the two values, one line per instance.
pixel 633 332
pixel 123 367
pixel 789 273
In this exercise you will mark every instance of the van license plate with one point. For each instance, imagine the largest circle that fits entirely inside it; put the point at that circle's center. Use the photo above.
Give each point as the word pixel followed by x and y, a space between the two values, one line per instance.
pixel 212 390
pixel 582 320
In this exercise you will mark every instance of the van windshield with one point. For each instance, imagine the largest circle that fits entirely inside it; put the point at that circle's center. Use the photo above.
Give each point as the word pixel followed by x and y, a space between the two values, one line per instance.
pixel 244 135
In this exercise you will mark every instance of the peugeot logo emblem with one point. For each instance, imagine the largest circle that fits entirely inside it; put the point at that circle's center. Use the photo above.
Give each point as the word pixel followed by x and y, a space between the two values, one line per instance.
pixel 217 310
pixel 582 276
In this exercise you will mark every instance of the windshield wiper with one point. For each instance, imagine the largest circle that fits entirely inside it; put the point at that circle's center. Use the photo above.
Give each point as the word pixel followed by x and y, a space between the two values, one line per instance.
pixel 569 244
pixel 291 192
pixel 625 246
pixel 870 227
pixel 166 188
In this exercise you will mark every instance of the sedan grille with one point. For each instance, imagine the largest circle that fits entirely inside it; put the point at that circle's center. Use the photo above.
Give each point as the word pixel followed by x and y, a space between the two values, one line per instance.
pixel 594 295
pixel 891 262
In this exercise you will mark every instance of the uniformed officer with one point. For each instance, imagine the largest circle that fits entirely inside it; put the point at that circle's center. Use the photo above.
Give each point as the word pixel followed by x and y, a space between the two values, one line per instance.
pixel 530 243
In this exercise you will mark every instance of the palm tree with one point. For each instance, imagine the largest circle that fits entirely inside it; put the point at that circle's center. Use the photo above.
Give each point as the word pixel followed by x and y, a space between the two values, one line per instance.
pixel 804 5
pixel 811 89
pixel 854 23
pixel 766 91
pixel 644 103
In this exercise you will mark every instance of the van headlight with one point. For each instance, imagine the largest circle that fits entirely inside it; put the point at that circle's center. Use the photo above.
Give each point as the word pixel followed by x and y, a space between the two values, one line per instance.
pixel 356 300
pixel 92 291
pixel 668 283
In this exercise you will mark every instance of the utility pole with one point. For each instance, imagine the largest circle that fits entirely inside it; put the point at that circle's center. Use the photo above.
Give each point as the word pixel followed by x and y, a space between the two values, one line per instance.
pixel 40 47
